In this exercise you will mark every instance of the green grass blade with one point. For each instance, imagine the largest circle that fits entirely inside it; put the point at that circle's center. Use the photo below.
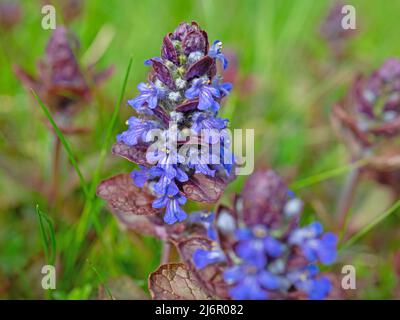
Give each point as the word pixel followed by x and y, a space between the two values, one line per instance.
pixel 326 175
pixel 52 240
pixel 47 235
pixel 371 225
pixel 63 141
pixel 101 280
pixel 43 235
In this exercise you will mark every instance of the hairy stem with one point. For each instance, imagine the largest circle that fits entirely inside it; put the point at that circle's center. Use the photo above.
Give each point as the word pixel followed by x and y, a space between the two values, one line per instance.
pixel 166 250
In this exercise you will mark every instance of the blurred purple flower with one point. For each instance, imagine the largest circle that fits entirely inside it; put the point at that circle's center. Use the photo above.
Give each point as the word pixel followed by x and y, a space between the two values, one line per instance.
pixel 269 258
pixel 332 31
pixel 368 121
pixel 61 83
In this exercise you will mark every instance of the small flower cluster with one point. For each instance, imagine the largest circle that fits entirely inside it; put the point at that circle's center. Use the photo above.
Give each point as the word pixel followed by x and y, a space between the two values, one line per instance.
pixel 182 95
pixel 61 82
pixel 266 254
pixel 372 108
pixel 368 121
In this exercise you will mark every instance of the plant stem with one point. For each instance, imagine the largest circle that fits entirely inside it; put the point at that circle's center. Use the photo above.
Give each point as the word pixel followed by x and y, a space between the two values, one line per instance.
pixel 166 250
pixel 346 197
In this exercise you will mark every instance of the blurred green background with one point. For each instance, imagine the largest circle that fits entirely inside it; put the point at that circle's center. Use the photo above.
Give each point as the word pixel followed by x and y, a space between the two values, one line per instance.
pixel 288 80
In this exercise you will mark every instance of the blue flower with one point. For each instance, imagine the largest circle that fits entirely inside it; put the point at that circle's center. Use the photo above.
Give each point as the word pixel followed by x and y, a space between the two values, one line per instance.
pixel 167 175
pixel 314 245
pixel 254 246
pixel 202 168
pixel 199 161
pixel 306 280
pixel 166 186
pixel 206 94
pixel 248 282
pixel 140 176
pixel 227 157
pixel 164 154
pixel 216 52
pixel 203 258
pixel 173 213
pixel 210 124
pixel 224 88
pixel 137 131
pixel 206 219
pixel 149 93
pixel 319 288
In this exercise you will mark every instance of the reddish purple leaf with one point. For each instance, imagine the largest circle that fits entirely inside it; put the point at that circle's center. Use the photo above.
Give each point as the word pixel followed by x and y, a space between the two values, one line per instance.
pixel 151 225
pixel 123 197
pixel 168 50
pixel 189 105
pixel 199 68
pixel 163 73
pixel 162 115
pixel 174 281
pixel 205 35
pixel 202 188
pixel 389 129
pixel 212 72
pixel 194 41
pixel 135 154
pixel 210 277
